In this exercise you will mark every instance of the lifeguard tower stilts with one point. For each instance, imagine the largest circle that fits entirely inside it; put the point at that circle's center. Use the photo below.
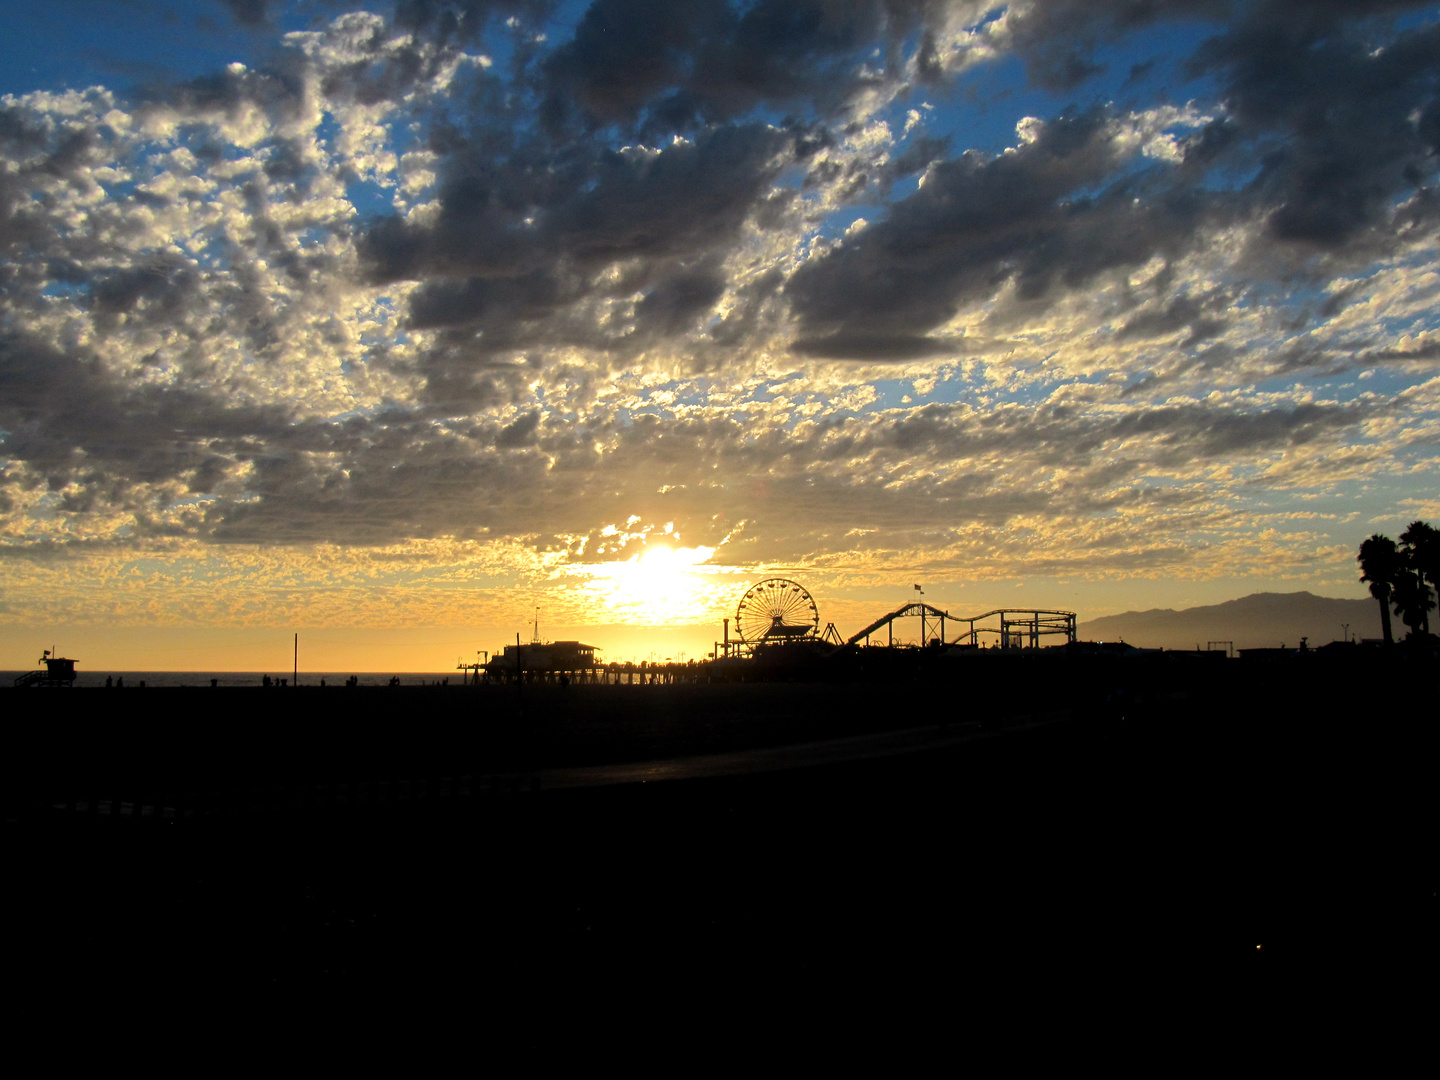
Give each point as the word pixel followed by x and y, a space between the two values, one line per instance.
pixel 58 671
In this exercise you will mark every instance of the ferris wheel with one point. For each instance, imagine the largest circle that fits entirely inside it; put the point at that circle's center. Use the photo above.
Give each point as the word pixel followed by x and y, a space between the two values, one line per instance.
pixel 776 609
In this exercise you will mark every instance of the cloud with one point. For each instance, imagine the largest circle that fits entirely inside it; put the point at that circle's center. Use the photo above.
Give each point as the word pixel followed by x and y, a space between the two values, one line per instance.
pixel 860 346
pixel 978 222
pixel 1331 115
pixel 1058 39
pixel 636 203
pixel 657 64
pixel 451 277
pixel 248 12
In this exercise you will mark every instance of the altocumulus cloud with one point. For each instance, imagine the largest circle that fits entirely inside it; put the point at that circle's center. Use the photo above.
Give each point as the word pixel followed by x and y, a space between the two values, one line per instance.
pixel 786 276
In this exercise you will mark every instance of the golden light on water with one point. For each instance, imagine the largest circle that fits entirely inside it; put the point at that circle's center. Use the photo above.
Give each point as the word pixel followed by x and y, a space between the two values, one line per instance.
pixel 662 585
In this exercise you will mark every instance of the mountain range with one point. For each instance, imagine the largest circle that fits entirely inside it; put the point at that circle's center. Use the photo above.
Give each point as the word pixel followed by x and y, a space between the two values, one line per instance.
pixel 1259 620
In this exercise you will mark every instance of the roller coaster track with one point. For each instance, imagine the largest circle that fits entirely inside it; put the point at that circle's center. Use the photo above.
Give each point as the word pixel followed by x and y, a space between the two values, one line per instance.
pixel 1026 624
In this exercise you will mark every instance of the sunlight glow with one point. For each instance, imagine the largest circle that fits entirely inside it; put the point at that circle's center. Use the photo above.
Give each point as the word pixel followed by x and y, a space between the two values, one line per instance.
pixel 661 585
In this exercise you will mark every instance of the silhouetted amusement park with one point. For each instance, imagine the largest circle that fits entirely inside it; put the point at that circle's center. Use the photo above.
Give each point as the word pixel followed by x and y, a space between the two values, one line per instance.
pixel 578 780
pixel 776 633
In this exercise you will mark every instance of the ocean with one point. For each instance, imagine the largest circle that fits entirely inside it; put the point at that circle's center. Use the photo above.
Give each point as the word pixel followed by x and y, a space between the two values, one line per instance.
pixel 250 678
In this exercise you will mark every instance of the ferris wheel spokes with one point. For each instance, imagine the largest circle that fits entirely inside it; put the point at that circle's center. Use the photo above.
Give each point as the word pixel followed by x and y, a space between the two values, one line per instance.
pixel 776 609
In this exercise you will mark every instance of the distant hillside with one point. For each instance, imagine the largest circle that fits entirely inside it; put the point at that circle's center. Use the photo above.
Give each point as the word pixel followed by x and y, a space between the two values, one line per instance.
pixel 1255 621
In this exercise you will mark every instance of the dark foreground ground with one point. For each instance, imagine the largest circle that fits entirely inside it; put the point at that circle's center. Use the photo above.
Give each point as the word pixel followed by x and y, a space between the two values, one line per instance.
pixel 400 838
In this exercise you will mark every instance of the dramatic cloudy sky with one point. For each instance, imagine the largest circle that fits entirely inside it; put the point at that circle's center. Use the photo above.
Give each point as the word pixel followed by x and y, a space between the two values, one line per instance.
pixel 387 323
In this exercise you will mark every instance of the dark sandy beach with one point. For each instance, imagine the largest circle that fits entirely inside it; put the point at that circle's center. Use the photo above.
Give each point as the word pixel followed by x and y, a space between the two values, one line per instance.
pixel 344 838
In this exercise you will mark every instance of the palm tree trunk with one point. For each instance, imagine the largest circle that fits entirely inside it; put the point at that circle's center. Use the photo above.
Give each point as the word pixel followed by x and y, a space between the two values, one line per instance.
pixel 1385 619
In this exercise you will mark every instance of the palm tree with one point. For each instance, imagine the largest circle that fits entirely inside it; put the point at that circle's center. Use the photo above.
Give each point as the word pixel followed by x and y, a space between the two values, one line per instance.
pixel 1412 600
pixel 1379 567
pixel 1420 548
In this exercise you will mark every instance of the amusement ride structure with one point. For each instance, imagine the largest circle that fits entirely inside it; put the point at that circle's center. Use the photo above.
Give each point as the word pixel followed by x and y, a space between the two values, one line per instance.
pixel 779 612
pixel 776 622
pixel 1005 628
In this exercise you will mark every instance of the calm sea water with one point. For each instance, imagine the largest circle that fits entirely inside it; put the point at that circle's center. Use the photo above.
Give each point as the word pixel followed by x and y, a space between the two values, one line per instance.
pixel 250 678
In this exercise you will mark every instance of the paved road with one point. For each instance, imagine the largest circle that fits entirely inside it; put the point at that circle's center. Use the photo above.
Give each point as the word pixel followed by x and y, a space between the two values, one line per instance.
pixel 765 759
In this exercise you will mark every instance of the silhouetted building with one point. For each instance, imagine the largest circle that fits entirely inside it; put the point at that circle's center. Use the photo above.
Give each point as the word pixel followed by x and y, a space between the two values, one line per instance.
pixel 59 671
pixel 543 658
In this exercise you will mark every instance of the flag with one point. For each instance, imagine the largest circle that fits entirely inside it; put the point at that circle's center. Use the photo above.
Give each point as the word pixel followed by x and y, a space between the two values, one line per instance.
pixel 918 589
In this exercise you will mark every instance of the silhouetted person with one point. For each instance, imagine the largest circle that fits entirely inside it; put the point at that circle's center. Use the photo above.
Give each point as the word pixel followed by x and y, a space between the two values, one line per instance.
pixel 120 681
pixel 109 681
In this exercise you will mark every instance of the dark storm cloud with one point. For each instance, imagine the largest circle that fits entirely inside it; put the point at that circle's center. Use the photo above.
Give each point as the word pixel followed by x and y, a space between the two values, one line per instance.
pixel 587 209
pixel 673 306
pixel 1329 109
pixel 861 346
pixel 1184 431
pixel 39 154
pixel 112 444
pixel 442 20
pixel 74 423
pixel 847 345
pixel 1058 38
pixel 711 60
pixel 520 433
pixel 464 19
pixel 1428 351
pixel 385 67
pixel 166 285
pixel 278 88
pixel 377 67
pixel 1180 313
pixel 914 159
pixel 1168 436
pixel 1325 120
pixel 489 301
pixel 688 198
pixel 978 222
pixel 523 247
pixel 403 479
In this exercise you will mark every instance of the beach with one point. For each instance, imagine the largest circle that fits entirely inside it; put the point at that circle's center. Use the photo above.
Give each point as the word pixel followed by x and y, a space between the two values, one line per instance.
pixel 340 837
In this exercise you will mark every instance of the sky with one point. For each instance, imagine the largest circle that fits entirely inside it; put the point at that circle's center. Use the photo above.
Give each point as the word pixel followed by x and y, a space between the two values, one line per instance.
pixel 403 325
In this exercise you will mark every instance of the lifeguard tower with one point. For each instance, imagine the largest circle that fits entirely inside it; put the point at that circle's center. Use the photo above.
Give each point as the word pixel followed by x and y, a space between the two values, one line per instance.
pixel 58 671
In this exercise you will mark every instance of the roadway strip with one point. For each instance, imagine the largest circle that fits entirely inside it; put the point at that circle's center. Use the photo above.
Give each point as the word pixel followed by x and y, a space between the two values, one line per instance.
pixel 764 759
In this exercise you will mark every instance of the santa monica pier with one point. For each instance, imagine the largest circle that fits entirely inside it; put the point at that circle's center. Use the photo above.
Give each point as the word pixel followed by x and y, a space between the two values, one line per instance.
pixel 775 634
pixel 920 787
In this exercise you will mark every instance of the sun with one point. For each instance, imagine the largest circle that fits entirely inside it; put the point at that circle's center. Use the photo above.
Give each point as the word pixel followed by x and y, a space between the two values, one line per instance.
pixel 668 573
pixel 663 585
